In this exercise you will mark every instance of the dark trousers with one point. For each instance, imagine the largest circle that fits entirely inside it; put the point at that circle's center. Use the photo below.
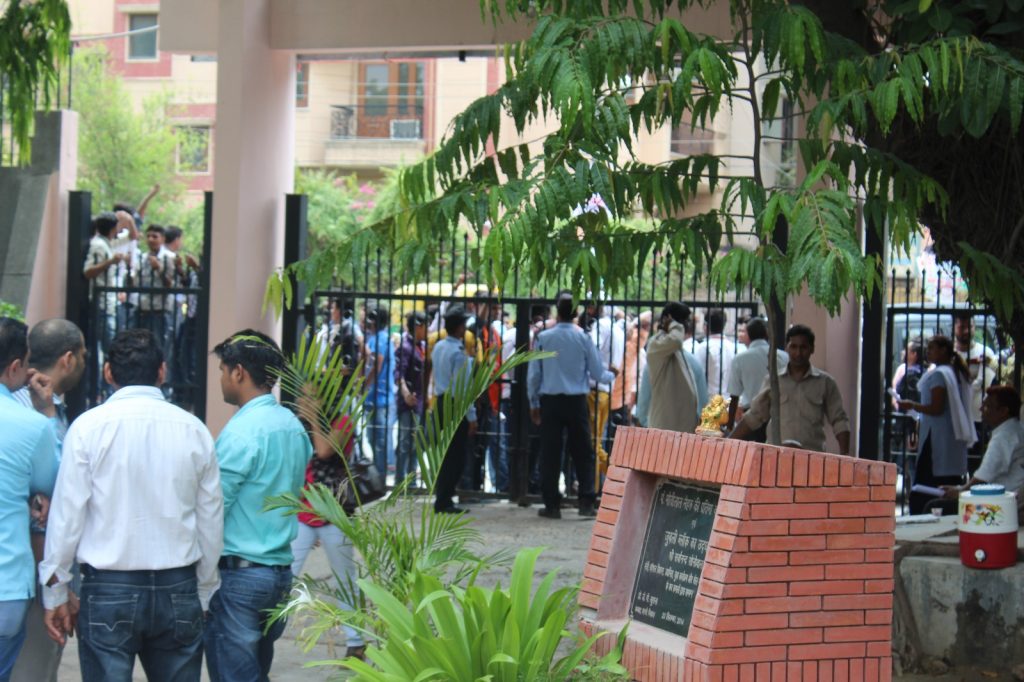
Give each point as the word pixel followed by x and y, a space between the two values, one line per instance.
pixel 453 464
pixel 923 475
pixel 560 414
pixel 155 615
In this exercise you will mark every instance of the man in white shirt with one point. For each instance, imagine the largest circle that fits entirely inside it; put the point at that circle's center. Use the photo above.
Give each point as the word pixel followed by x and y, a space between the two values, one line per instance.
pixel 716 352
pixel 1003 462
pixel 138 502
pixel 107 254
pixel 981 361
pixel 748 370
pixel 610 341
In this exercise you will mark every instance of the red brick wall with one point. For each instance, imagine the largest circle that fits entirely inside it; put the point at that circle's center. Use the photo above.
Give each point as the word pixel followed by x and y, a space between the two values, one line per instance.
pixel 798 579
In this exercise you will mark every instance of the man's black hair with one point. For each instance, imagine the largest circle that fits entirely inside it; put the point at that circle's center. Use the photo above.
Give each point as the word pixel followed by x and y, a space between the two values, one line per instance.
pixel 127 208
pixel 1007 397
pixel 800 330
pixel 172 233
pixel 257 353
pixel 416 318
pixel 757 329
pixel 135 358
pixel 963 316
pixel 157 228
pixel 380 316
pixel 51 339
pixel 454 319
pixel 716 321
pixel 104 223
pixel 540 310
pixel 13 341
pixel 565 306
pixel 679 312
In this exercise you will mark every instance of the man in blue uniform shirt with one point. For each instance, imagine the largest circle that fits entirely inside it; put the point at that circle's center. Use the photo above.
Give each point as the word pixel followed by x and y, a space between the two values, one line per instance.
pixel 262 453
pixel 558 389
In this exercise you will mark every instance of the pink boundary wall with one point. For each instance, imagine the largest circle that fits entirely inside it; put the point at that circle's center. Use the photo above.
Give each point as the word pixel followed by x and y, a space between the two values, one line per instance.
pixel 798 579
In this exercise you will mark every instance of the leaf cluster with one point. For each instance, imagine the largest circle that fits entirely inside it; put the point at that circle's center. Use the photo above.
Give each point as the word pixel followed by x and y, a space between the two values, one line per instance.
pixel 475 633
pixel 34 46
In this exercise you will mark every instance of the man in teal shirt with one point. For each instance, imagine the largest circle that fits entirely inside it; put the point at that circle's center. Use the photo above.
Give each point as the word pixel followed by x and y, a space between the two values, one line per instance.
pixel 262 453
pixel 28 465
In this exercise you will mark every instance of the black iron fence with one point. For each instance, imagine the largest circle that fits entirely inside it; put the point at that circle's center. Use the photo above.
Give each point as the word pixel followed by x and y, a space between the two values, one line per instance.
pixel 177 315
pixel 374 300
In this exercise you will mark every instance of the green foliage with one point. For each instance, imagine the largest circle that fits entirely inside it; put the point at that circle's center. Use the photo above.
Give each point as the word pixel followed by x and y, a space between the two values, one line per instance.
pixel 399 539
pixel 123 150
pixel 34 47
pixel 11 310
pixel 474 633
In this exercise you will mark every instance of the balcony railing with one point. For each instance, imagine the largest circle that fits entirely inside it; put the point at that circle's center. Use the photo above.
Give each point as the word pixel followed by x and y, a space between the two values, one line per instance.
pixel 376 122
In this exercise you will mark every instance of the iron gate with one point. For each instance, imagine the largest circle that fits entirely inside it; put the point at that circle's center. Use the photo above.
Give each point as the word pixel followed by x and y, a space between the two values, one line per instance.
pixel 177 315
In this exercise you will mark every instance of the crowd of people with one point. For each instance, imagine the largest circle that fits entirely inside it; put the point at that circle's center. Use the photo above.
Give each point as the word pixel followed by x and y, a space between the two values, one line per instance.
pixel 146 537
pixel 950 391
pixel 151 540
pixel 128 258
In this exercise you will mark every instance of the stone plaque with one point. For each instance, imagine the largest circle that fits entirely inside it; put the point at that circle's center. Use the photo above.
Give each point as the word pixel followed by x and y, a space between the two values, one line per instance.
pixel 677 536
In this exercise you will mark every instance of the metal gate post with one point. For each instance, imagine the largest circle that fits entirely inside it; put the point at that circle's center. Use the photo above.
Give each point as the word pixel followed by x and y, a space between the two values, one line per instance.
pixel 519 419
pixel 871 357
pixel 76 306
pixel 203 327
pixel 296 232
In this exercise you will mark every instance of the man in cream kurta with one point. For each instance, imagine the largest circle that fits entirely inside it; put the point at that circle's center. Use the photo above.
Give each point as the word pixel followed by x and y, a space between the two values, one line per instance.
pixel 674 403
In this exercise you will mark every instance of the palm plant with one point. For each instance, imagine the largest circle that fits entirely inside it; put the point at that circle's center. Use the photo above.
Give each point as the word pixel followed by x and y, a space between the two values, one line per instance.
pixel 398 539
pixel 475 633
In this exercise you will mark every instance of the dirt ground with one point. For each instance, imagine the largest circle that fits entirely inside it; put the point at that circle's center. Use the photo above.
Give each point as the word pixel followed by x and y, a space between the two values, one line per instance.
pixel 503 526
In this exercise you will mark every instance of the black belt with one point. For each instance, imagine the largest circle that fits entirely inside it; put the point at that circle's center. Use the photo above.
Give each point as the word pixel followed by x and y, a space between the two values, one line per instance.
pixel 233 562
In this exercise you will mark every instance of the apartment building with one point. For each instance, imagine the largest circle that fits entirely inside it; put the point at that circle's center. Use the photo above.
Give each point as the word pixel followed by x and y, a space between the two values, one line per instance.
pixel 353 115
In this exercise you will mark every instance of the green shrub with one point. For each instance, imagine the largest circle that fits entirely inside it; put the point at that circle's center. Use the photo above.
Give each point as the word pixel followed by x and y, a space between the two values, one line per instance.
pixel 475 633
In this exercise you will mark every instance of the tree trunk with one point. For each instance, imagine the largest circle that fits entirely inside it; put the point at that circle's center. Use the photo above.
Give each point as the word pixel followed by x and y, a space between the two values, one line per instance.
pixel 774 426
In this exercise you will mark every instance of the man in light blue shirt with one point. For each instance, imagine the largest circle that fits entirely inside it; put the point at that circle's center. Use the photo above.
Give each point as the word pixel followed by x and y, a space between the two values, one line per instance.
pixel 749 369
pixel 451 370
pixel 57 357
pixel 262 452
pixel 28 465
pixel 558 389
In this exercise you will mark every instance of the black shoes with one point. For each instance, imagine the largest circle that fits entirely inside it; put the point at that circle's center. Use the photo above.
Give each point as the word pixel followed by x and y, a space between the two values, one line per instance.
pixel 550 513
pixel 588 510
pixel 452 510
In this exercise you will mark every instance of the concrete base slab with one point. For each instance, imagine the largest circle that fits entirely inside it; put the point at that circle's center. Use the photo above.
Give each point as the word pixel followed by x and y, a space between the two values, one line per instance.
pixel 966 616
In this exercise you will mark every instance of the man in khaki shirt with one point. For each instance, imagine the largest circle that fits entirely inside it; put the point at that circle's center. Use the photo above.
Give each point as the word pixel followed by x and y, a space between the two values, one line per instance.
pixel 809 397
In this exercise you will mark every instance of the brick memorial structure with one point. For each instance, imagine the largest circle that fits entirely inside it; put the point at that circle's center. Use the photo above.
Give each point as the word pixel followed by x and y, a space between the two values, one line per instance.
pixel 738 561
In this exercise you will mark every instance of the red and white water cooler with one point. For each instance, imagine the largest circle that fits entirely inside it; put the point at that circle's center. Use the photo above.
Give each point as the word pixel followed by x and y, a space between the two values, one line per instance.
pixel 988 527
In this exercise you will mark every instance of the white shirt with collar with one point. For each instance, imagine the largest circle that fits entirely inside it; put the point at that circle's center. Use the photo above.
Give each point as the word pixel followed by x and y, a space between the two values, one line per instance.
pixel 1003 462
pixel 611 347
pixel 138 489
pixel 748 370
pixel 716 354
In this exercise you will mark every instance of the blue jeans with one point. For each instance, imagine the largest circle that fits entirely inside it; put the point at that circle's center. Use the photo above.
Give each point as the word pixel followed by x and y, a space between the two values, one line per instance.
pixel 12 633
pixel 155 615
pixel 378 429
pixel 405 454
pixel 238 644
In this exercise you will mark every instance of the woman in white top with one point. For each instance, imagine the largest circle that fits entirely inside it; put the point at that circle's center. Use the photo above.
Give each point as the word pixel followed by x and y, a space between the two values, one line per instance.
pixel 946 430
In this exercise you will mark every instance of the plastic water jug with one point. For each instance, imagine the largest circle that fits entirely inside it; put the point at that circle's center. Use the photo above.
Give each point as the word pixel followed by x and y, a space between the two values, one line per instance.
pixel 988 527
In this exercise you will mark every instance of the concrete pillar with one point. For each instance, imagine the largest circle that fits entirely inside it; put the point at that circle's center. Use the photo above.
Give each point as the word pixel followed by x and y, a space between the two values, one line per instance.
pixel 254 169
